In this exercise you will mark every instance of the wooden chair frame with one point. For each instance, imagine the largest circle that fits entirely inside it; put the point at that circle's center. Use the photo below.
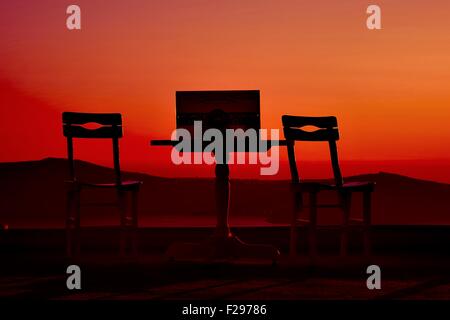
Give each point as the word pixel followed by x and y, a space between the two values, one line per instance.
pixel 326 131
pixel 110 127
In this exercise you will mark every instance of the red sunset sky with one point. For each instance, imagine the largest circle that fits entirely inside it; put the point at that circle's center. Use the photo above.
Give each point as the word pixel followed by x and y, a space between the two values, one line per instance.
pixel 388 88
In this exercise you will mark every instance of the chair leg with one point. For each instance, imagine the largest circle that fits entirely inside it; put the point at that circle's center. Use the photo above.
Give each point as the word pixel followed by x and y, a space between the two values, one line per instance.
pixel 73 223
pixel 367 217
pixel 346 208
pixel 297 205
pixel 313 224
pixel 135 224
pixel 121 196
pixel 69 223
pixel 77 222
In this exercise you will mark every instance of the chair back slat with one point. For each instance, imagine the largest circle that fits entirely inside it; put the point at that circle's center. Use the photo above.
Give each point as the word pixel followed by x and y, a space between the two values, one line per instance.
pixel 327 131
pixel 298 121
pixel 103 132
pixel 108 125
pixel 106 119
pixel 318 135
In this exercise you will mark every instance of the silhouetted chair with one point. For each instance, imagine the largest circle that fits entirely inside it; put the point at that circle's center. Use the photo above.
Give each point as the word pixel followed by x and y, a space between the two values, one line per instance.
pixel 110 127
pixel 326 131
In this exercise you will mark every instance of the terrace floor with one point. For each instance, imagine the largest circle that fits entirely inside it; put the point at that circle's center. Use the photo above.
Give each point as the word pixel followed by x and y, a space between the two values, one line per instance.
pixel 414 264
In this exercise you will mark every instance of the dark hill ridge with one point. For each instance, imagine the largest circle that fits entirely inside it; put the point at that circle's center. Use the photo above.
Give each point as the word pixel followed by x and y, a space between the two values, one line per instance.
pixel 33 195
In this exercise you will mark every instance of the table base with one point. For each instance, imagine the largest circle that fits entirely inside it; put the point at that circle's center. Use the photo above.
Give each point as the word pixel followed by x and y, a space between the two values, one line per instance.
pixel 221 248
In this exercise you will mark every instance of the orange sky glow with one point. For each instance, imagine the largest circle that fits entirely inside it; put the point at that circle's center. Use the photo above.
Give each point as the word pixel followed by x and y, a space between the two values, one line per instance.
pixel 389 88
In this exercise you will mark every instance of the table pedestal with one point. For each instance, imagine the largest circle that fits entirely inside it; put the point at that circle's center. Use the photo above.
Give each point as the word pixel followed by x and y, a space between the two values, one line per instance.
pixel 222 245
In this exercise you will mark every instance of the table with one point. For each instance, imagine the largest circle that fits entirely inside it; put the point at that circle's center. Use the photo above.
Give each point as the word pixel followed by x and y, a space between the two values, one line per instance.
pixel 223 244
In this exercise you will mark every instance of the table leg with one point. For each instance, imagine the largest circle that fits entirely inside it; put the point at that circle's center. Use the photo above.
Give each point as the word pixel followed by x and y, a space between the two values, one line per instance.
pixel 223 244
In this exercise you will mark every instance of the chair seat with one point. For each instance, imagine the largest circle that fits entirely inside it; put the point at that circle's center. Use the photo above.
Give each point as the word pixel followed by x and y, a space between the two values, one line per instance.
pixel 317 186
pixel 353 221
pixel 126 184
pixel 358 186
pixel 312 186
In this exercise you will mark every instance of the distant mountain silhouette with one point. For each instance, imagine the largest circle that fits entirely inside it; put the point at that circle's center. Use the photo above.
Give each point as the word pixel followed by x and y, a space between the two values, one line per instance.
pixel 32 194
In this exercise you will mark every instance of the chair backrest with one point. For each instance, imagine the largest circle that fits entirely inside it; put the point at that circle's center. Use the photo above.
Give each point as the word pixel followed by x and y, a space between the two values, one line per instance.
pixel 107 126
pixel 326 131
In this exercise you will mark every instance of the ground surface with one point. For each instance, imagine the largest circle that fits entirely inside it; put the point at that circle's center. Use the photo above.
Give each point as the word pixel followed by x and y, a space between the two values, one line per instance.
pixel 40 273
